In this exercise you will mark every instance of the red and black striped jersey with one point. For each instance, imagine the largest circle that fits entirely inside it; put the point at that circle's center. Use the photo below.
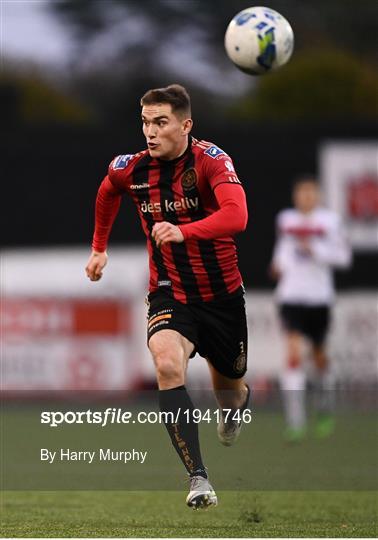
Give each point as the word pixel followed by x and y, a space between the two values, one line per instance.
pixel 182 191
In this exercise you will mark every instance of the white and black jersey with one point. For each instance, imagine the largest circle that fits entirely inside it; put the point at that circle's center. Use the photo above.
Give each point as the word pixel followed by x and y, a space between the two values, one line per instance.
pixel 306 274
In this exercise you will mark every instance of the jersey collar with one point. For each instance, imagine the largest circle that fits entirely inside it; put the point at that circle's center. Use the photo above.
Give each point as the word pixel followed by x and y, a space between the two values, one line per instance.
pixel 176 160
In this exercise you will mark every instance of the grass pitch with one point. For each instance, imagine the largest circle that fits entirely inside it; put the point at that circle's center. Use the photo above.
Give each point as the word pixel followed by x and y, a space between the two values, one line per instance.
pixel 164 514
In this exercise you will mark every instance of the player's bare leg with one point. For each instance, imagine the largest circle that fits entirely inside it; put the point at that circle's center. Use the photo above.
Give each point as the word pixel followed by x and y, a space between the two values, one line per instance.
pixel 171 351
pixel 230 393
pixel 320 358
pixel 324 393
pixel 293 384
pixel 232 396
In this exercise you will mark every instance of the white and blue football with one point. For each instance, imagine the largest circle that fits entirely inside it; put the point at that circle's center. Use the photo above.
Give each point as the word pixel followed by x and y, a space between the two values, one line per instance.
pixel 259 40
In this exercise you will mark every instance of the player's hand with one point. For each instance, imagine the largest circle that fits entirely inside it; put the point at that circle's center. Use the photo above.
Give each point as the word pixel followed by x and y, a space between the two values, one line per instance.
pixel 274 272
pixel 96 264
pixel 164 232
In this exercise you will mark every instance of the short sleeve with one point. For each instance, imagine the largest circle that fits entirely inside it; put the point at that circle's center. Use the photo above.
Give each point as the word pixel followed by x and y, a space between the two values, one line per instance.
pixel 119 172
pixel 219 168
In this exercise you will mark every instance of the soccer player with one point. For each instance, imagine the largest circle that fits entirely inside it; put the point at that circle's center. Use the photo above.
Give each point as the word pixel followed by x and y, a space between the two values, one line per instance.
pixel 310 242
pixel 191 204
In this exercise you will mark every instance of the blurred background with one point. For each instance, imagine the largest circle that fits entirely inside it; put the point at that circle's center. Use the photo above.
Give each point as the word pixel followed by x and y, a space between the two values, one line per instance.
pixel 72 73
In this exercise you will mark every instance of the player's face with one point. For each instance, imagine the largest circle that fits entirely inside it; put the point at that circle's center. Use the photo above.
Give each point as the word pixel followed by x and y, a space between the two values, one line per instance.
pixel 166 134
pixel 306 196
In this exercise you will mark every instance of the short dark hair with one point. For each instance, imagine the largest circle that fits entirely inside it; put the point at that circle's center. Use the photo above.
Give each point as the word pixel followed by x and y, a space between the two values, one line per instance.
pixel 174 94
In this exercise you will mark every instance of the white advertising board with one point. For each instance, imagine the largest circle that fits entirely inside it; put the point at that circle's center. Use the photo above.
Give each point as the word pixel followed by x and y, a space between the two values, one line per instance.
pixel 349 175
pixel 61 332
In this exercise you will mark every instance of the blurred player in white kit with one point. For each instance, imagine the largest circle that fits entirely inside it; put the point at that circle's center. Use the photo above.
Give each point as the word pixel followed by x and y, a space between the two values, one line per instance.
pixel 310 242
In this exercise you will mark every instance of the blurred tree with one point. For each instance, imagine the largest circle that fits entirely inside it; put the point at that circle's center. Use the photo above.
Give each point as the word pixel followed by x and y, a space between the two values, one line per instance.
pixel 126 46
pixel 160 39
pixel 158 23
pixel 318 85
pixel 27 98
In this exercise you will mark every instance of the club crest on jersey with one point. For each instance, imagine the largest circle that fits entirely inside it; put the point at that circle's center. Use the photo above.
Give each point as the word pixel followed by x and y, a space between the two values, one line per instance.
pixel 214 152
pixel 121 162
pixel 189 179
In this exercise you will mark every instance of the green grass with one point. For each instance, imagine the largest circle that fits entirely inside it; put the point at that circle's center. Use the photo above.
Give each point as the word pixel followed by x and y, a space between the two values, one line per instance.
pixel 164 514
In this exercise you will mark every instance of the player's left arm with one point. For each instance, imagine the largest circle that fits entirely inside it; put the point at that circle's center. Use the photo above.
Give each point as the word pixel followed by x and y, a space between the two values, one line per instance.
pixel 231 217
pixel 232 214
pixel 334 249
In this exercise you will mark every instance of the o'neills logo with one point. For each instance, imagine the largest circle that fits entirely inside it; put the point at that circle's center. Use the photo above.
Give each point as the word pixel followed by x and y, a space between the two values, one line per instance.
pixel 189 179
pixel 145 185
pixel 185 203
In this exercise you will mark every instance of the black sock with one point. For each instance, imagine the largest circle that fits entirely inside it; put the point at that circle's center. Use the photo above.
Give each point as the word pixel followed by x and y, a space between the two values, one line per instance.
pixel 184 433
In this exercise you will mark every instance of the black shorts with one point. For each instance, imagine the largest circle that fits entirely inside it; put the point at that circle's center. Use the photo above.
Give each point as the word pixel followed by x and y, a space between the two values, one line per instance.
pixel 218 329
pixel 311 321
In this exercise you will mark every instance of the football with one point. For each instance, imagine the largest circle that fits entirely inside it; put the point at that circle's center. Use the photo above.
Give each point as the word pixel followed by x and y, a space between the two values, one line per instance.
pixel 259 40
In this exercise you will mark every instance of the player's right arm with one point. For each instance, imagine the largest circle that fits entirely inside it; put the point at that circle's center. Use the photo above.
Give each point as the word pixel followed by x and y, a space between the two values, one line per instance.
pixel 108 201
pixel 280 256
